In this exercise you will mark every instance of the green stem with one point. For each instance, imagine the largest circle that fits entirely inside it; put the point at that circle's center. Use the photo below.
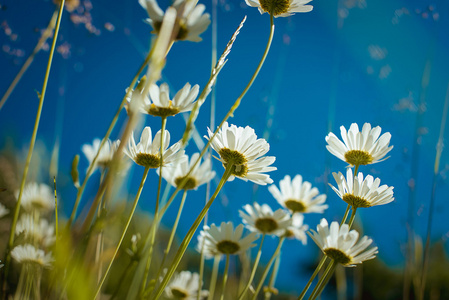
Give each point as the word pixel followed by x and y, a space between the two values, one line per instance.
pixel 225 278
pixel 103 141
pixel 183 247
pixel 172 234
pixel 309 283
pixel 32 142
pixel 345 216
pixel 156 211
pixel 267 268
pixel 351 220
pixel 273 277
pixel 213 279
pixel 253 271
pixel 323 280
pixel 136 200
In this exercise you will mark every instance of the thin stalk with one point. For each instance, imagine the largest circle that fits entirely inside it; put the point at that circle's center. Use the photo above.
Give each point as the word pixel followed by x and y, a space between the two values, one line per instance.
pixel 213 278
pixel 32 142
pixel 225 277
pixel 253 271
pixel 172 234
pixel 136 200
pixel 267 268
pixel 426 255
pixel 103 141
pixel 183 247
pixel 323 280
pixel 56 211
pixel 156 210
pixel 345 216
pixel 41 42
pixel 351 220
pixel 273 276
pixel 309 283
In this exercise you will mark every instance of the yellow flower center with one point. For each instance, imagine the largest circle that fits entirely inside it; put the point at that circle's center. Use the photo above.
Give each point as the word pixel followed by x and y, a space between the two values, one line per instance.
pixel 295 205
pixel 275 7
pixel 356 201
pixel 239 161
pixel 148 160
pixel 266 225
pixel 179 293
pixel 163 111
pixel 190 182
pixel 337 255
pixel 358 157
pixel 228 247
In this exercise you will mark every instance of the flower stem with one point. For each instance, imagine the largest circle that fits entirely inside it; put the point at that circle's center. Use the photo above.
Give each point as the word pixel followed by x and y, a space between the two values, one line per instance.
pixel 156 211
pixel 273 277
pixel 225 278
pixel 323 280
pixel 309 283
pixel 191 232
pixel 103 141
pixel 345 216
pixel 32 142
pixel 136 200
pixel 213 279
pixel 253 271
pixel 351 220
pixel 267 268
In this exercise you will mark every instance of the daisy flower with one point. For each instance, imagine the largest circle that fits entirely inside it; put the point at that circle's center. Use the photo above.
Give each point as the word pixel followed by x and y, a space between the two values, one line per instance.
pixel 359 192
pixel 297 229
pixel 262 219
pixel 29 254
pixel 201 174
pixel 160 104
pixel 341 245
pixel 36 230
pixel 359 148
pixel 280 8
pixel 192 20
pixel 105 155
pixel 241 147
pixel 184 286
pixel 37 196
pixel 224 240
pixel 147 152
pixel 298 196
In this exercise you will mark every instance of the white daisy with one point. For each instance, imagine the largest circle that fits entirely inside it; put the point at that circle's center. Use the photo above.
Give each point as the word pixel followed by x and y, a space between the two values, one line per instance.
pixel 359 148
pixel 341 244
pixel 191 18
pixel 359 192
pixel 241 147
pixel 106 153
pixel 3 211
pixel 201 174
pixel 37 196
pixel 29 254
pixel 224 240
pixel 36 230
pixel 298 196
pixel 280 8
pixel 160 105
pixel 184 286
pixel 297 229
pixel 147 152
pixel 263 220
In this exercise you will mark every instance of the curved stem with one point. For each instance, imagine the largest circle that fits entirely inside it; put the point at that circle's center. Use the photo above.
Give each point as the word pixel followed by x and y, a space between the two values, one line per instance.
pixel 267 268
pixel 172 234
pixel 136 200
pixel 253 271
pixel 156 211
pixel 323 280
pixel 45 35
pixel 351 220
pixel 345 216
pixel 213 279
pixel 32 142
pixel 225 277
pixel 103 141
pixel 309 283
pixel 183 247
pixel 273 276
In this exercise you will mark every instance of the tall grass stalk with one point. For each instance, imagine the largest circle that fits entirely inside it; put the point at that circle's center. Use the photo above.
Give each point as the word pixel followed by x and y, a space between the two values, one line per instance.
pixel 213 278
pixel 225 278
pixel 253 271
pixel 32 142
